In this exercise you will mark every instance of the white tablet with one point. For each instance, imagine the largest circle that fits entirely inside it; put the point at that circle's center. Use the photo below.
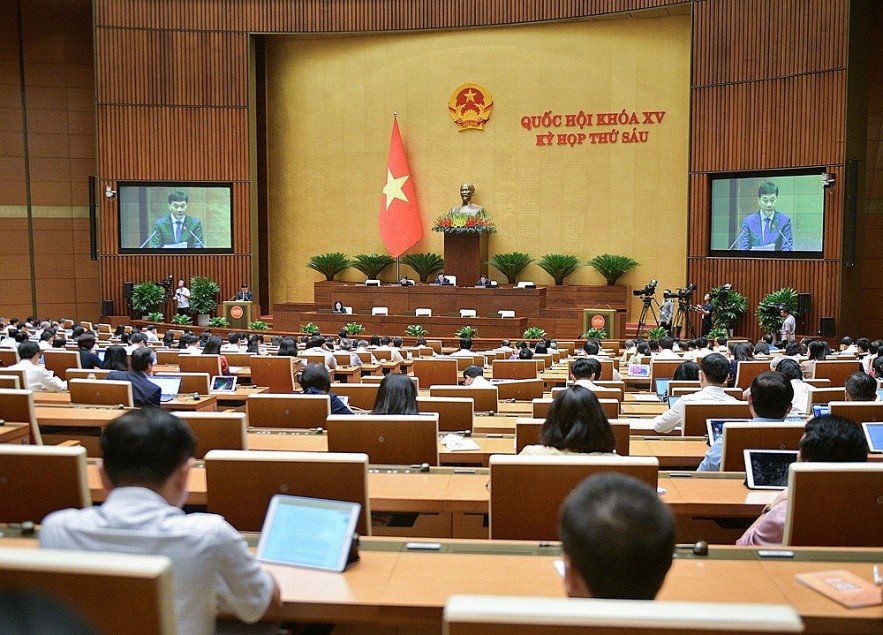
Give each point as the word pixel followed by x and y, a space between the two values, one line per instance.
pixel 874 434
pixel 223 383
pixel 715 427
pixel 768 469
pixel 308 532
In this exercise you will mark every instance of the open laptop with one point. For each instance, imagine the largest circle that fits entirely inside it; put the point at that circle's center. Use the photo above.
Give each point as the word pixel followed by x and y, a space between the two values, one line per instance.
pixel 662 388
pixel 672 400
pixel 223 383
pixel 308 532
pixel 768 469
pixel 874 434
pixel 169 386
pixel 820 409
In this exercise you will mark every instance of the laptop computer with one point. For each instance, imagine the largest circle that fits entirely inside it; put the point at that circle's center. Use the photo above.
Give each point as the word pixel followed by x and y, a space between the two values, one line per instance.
pixel 662 388
pixel 672 400
pixel 169 386
pixel 223 383
pixel 308 532
pixel 874 434
pixel 819 409
pixel 768 469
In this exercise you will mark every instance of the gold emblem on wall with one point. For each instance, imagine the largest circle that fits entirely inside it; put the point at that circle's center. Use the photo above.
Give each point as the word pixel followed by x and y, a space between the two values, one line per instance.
pixel 470 106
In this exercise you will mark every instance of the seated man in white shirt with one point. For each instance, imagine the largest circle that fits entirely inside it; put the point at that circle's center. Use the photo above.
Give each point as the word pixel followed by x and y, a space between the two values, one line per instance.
pixel 318 346
pixel 386 344
pixel 617 537
pixel 713 371
pixel 147 457
pixel 234 344
pixel 138 340
pixel 592 349
pixel 150 332
pixel 769 399
pixel 584 371
pixel 860 387
pixel 474 376
pixel 37 376
pixel 666 348
pixel 465 349
pixel 792 372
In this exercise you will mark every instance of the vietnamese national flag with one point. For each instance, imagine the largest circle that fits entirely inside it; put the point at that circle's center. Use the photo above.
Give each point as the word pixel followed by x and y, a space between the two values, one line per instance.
pixel 400 225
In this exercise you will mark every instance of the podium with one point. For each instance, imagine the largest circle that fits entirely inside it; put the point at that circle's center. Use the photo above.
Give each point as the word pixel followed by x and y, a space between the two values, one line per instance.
pixel 466 257
pixel 238 313
pixel 601 319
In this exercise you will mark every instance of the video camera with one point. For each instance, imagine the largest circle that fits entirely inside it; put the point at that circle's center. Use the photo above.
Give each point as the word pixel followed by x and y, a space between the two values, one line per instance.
pixel 682 294
pixel 723 292
pixel 647 292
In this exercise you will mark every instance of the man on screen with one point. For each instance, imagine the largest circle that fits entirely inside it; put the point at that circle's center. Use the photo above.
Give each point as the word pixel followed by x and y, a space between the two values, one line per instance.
pixel 177 230
pixel 766 229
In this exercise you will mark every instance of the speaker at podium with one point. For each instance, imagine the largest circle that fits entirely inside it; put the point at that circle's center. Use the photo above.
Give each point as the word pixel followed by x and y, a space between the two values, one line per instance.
pixel 238 313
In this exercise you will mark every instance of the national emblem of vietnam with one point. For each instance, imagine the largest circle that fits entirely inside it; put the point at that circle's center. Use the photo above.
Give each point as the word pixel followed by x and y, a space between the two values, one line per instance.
pixel 470 106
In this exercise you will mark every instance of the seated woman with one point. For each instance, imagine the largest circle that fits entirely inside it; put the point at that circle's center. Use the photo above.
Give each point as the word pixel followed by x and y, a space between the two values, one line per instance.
pixel 115 358
pixel 213 347
pixel 338 307
pixel 688 371
pixel 397 395
pixel 576 424
pixel 817 351
pixel 315 380
pixel 287 347
pixel 742 352
pixel 85 344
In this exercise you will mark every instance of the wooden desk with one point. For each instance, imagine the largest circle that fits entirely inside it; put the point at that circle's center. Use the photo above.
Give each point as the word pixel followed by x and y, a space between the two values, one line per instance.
pixel 181 402
pixel 14 432
pixel 391 586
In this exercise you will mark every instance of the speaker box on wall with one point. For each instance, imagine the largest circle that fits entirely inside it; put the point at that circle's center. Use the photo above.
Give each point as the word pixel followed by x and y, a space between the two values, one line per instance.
pixel 826 326
pixel 127 289
pixel 804 302
pixel 107 307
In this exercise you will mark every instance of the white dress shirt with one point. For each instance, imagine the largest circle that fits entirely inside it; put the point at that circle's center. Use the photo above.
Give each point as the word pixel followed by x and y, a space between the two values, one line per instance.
pixel 674 416
pixel 38 377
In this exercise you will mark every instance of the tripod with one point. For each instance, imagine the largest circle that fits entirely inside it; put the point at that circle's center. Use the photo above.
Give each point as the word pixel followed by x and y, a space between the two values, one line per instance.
pixel 681 318
pixel 648 301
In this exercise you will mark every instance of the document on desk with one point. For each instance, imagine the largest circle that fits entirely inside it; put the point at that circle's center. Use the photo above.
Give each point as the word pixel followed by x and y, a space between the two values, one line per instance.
pixel 843 587
pixel 457 443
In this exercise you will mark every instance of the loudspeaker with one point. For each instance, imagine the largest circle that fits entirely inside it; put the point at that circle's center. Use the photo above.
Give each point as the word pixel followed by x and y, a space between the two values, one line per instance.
pixel 93 222
pixel 804 303
pixel 107 307
pixel 826 326
pixel 127 289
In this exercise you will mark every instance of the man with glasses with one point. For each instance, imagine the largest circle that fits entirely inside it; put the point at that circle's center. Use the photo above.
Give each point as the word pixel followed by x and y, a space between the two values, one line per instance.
pixel 767 229
pixel 177 230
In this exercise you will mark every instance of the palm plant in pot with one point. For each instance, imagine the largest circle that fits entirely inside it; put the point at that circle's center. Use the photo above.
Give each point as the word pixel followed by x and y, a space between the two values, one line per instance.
pixel 767 311
pixel 372 264
pixel 424 264
pixel 330 264
pixel 559 266
pixel 612 267
pixel 203 298
pixel 511 264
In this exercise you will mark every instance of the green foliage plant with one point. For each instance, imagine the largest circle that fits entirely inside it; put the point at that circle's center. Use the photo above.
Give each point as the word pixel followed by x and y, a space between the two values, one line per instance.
pixel 424 264
pixel 534 333
pixel 466 331
pixel 372 264
pixel 612 267
pixel 156 316
pixel 559 266
pixel 416 330
pixel 511 264
pixel 203 295
pixel 147 297
pixel 354 328
pixel 656 333
pixel 727 308
pixel 716 332
pixel 219 322
pixel 309 327
pixel 330 264
pixel 593 333
pixel 767 311
pixel 182 319
pixel 258 325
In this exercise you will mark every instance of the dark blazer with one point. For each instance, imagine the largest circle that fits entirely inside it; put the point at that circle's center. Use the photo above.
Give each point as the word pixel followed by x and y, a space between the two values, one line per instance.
pixel 144 391
pixel 89 360
pixel 245 297
pixel 780 230
pixel 164 232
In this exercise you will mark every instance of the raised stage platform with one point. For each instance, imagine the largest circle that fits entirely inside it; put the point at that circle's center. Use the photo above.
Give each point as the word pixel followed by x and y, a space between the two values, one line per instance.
pixel 556 309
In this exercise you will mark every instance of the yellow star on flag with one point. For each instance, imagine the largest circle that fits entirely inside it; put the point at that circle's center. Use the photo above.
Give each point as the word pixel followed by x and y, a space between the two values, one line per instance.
pixel 393 188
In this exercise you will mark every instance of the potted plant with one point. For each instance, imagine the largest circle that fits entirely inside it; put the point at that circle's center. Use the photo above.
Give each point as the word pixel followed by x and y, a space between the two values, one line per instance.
pixel 353 328
pixel 559 266
pixel 612 267
pixel 182 319
pixel 147 297
pixel 533 333
pixel 258 325
pixel 309 327
pixel 511 264
pixel 156 316
pixel 727 306
pixel 466 331
pixel 424 264
pixel 656 333
pixel 595 334
pixel 203 298
pixel 767 311
pixel 415 330
pixel 330 264
pixel 372 264
pixel 219 322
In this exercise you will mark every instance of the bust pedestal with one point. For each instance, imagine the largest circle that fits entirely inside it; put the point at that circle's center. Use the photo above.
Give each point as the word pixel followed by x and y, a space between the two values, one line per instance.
pixel 466 257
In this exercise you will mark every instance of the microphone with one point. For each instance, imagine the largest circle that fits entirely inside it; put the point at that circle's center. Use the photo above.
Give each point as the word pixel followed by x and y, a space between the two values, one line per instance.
pixel 199 242
pixel 149 238
pixel 786 241
pixel 738 238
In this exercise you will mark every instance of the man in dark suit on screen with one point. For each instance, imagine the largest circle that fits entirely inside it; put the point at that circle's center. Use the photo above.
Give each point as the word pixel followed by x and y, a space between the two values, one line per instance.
pixel 177 230
pixel 767 229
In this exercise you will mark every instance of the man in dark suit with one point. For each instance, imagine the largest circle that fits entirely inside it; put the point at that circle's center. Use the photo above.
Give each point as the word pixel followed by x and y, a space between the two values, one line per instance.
pixel 177 228
pixel 144 391
pixel 244 294
pixel 767 228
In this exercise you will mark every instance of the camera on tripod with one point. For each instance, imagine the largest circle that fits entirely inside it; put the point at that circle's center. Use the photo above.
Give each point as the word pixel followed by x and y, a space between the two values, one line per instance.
pixel 682 294
pixel 647 292
pixel 724 292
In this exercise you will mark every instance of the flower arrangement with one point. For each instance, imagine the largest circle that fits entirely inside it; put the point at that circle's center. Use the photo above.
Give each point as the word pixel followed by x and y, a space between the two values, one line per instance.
pixel 463 223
